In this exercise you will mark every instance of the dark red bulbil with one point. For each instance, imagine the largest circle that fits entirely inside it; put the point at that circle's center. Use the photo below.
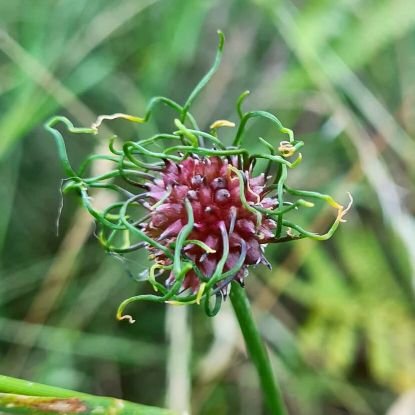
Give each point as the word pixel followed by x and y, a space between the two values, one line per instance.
pixel 214 192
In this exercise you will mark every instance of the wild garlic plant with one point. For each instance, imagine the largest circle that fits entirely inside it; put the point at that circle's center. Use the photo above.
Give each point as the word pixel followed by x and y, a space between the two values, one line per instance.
pixel 210 211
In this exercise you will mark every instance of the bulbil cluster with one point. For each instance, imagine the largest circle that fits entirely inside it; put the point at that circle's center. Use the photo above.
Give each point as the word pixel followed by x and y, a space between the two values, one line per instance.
pixel 220 217
pixel 209 211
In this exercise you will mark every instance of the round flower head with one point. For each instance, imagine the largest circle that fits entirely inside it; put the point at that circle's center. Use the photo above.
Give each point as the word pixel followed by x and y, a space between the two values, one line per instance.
pixel 210 212
pixel 221 220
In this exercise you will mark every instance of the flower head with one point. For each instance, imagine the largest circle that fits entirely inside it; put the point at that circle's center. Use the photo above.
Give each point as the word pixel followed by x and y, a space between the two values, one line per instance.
pixel 210 212
pixel 222 222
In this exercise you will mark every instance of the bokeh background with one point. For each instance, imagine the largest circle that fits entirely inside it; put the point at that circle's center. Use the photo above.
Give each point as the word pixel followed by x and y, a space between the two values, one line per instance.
pixel 338 316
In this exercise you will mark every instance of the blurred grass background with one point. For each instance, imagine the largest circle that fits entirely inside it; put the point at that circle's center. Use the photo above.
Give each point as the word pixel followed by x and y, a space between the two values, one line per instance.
pixel 338 316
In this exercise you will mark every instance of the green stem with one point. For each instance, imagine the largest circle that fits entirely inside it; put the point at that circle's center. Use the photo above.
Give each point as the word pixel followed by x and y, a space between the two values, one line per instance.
pixel 22 397
pixel 256 349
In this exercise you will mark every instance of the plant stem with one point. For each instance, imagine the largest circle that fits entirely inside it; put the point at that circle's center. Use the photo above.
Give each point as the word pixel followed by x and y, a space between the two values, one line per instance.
pixel 22 397
pixel 257 350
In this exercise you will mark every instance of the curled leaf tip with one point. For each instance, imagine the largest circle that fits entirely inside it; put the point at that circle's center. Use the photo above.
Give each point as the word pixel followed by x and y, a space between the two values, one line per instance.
pixel 286 149
pixel 115 116
pixel 343 211
pixel 221 36
pixel 126 317
pixel 221 123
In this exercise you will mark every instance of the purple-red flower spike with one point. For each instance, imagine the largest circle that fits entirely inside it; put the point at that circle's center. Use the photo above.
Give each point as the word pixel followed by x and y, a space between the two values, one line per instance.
pixel 214 193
